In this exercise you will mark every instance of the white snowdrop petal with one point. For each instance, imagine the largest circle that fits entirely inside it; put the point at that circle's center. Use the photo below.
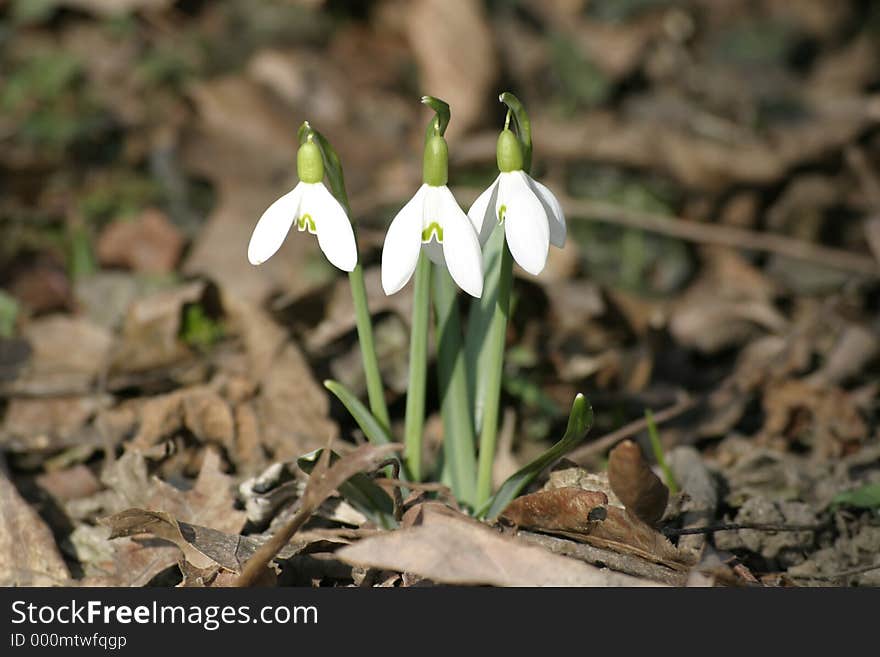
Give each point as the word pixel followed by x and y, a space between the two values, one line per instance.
pixel 273 226
pixel 482 213
pixel 403 242
pixel 461 247
pixel 335 234
pixel 554 212
pixel 525 223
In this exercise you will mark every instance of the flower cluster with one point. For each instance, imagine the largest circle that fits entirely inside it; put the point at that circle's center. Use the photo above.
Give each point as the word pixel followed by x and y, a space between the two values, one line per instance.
pixel 431 220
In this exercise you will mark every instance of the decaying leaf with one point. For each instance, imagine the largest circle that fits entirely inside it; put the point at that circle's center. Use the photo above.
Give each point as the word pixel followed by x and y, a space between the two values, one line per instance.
pixel 586 516
pixel 133 522
pixel 452 549
pixel 209 503
pixel 49 423
pixel 568 509
pixel 53 367
pixel 825 417
pixel 640 490
pixel 28 553
pixel 623 531
pixel 324 479
pixel 149 243
pixel 151 332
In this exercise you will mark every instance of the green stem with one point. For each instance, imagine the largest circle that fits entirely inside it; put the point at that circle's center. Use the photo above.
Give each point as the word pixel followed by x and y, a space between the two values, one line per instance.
pixel 368 347
pixel 418 364
pixel 458 427
pixel 494 368
pixel 333 170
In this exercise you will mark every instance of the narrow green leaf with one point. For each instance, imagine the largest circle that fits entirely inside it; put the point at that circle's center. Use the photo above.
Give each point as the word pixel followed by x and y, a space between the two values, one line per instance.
pixel 455 406
pixel 372 428
pixel 360 491
pixel 657 448
pixel 579 421
pixel 480 315
pixel 495 340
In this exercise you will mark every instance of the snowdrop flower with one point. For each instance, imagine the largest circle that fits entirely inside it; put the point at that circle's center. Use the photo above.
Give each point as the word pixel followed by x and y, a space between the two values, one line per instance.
pixel 314 209
pixel 531 214
pixel 433 220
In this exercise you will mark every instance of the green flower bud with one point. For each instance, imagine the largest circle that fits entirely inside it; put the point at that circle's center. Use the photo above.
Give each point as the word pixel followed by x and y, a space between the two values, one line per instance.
pixel 435 168
pixel 309 163
pixel 509 152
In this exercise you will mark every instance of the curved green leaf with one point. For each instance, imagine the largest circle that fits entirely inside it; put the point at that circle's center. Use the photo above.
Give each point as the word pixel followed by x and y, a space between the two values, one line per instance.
pixel 579 421
pixel 372 428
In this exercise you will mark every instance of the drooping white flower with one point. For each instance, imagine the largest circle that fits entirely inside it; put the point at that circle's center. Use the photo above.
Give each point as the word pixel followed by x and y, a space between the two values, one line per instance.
pixel 531 214
pixel 433 220
pixel 314 209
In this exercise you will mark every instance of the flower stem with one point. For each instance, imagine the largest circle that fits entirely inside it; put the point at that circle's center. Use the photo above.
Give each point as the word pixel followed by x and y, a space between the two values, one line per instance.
pixel 368 347
pixel 458 428
pixel 418 364
pixel 494 368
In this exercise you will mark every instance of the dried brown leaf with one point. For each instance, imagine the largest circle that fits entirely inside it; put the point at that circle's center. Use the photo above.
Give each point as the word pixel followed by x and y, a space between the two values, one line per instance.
pixel 323 481
pixel 568 509
pixel 151 330
pixel 150 243
pixel 53 367
pixel 209 503
pixel 28 553
pixel 457 550
pixel 49 423
pixel 624 532
pixel 635 484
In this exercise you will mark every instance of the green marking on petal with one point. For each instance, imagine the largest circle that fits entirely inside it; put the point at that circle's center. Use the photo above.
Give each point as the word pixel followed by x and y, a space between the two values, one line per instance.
pixel 306 222
pixel 433 228
pixel 502 211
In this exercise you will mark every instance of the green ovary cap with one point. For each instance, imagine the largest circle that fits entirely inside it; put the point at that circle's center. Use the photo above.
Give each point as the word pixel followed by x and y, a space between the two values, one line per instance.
pixel 309 163
pixel 509 152
pixel 435 168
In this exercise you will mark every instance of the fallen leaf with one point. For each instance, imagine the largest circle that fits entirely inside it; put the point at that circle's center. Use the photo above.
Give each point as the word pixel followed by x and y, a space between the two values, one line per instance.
pixel 730 303
pixel 570 509
pixel 455 550
pixel 323 480
pixel 51 423
pixel 209 503
pixel 149 243
pixel 622 531
pixel 69 484
pixel 635 484
pixel 824 417
pixel 151 332
pixel 28 553
pixel 56 369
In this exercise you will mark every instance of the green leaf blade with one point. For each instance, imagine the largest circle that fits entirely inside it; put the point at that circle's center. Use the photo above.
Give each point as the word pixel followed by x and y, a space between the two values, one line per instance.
pixel 579 422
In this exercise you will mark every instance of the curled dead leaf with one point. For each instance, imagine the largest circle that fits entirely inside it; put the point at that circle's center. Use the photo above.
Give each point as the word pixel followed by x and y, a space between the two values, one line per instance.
pixel 568 509
pixel 640 490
